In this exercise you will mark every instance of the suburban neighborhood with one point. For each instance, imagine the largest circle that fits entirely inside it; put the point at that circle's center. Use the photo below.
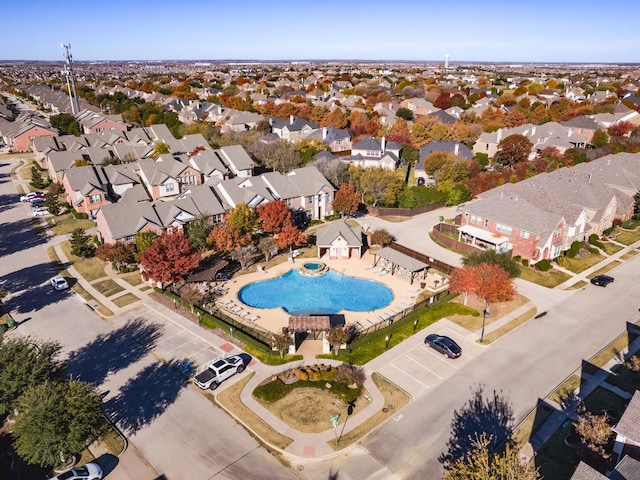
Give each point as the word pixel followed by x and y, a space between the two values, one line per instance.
pixel 319 270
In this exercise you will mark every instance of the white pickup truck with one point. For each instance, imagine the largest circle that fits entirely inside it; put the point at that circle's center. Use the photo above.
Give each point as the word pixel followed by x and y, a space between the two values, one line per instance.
pixel 218 371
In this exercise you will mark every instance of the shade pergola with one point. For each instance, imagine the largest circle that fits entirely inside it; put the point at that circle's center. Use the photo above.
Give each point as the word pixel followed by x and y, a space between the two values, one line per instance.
pixel 314 323
pixel 400 260
pixel 208 273
pixel 480 237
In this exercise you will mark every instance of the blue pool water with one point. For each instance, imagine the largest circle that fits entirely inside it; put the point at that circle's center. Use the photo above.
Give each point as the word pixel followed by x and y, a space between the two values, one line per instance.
pixel 328 293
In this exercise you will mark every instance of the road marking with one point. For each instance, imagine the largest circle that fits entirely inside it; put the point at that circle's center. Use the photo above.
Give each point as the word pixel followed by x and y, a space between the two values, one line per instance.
pixel 398 417
pixel 421 365
pixel 410 376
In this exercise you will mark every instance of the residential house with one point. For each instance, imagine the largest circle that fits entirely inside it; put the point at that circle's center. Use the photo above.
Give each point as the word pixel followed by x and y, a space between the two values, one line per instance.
pixel 121 221
pixel 239 121
pixel 121 178
pixel 627 429
pixel 582 125
pixel 542 216
pixel 208 163
pixel 372 153
pixel 292 129
pixel 237 160
pixel 86 189
pixel 627 469
pixel 339 241
pixel 338 140
pixel 94 122
pixel 419 106
pixel 19 134
pixel 167 176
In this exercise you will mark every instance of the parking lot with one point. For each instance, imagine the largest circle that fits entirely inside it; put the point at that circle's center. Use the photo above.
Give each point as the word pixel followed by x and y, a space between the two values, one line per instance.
pixel 421 368
pixel 177 341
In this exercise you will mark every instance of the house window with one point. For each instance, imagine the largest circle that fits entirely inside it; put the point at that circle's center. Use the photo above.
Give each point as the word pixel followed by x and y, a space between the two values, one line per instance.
pixel 310 199
pixel 473 219
pixel 524 234
pixel 288 202
pixel 217 218
pixel 486 222
pixel 95 198
pixel 557 234
pixel 503 229
pixel 169 187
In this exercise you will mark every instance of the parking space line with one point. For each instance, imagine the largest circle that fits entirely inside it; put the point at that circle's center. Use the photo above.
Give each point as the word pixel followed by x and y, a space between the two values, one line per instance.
pixel 440 357
pixel 183 344
pixel 419 363
pixel 410 376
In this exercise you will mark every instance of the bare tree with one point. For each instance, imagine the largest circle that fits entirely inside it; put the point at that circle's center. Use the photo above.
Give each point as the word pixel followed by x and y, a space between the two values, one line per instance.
pixel 281 342
pixel 244 255
pixel 337 336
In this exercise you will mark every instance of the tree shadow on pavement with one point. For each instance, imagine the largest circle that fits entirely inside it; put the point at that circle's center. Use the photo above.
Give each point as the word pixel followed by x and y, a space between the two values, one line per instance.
pixel 146 396
pixel 17 236
pixel 491 414
pixel 114 351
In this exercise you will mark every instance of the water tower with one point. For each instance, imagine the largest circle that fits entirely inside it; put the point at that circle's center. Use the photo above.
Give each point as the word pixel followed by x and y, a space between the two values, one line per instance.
pixel 446 61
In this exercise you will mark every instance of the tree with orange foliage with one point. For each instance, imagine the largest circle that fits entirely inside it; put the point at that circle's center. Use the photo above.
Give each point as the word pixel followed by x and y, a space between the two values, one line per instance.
pixel 169 258
pixel 336 118
pixel 346 200
pixel 486 281
pixel 274 216
pixel 225 238
pixel 290 237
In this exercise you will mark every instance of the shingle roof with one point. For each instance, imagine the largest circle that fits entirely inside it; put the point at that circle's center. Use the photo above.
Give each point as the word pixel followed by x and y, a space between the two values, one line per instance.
pixel 629 424
pixel 585 472
pixel 325 235
pixel 627 469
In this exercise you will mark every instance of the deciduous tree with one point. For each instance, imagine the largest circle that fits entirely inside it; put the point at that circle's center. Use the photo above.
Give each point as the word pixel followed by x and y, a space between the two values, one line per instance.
pixel 273 216
pixel 404 113
pixel 481 464
pixel 25 362
pixel 243 219
pixel 168 259
pixel 244 255
pixel 57 420
pixel 336 337
pixel 161 148
pixel 594 432
pixel 491 257
pixel 336 118
pixel 513 149
pixel 346 200
pixel 226 239
pixel 267 245
pixel 198 230
pixel 143 240
pixel 464 280
pixel 281 342
pixel 120 254
pixel 291 237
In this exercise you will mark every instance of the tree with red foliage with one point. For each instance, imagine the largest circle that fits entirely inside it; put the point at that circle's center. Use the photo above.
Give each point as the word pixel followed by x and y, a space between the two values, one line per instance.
pixel 464 280
pixel 273 216
pixel 197 150
pixel 290 237
pixel 487 281
pixel 620 129
pixel 169 258
pixel 225 238
pixel 346 200
pixel 443 101
pixel 120 254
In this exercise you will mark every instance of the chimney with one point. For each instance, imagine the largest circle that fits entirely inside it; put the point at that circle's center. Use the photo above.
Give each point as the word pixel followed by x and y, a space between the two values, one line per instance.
pixel 324 133
pixel 291 119
pixel 499 135
pixel 456 149
pixel 533 131
pixel 383 144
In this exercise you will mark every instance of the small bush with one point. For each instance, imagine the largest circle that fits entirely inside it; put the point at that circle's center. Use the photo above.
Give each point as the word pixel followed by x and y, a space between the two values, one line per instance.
pixel 544 265
pixel 381 237
pixel 525 262
pixel 562 261
pixel 302 374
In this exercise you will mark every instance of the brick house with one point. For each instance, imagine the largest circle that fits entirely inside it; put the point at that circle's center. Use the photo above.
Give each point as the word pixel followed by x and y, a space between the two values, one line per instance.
pixel 86 189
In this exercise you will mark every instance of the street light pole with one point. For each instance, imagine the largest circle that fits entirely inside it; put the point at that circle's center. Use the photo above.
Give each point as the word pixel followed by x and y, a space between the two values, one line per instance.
pixel 484 320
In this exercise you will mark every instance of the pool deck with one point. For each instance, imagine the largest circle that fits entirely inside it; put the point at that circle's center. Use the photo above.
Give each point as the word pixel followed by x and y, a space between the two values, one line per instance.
pixel 273 319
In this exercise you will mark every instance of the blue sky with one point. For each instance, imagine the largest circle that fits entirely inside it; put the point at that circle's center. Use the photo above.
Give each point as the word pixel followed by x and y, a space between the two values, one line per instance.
pixel 501 31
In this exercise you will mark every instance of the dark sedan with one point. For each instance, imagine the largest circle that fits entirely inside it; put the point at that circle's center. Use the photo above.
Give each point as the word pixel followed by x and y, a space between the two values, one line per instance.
pixel 602 280
pixel 444 345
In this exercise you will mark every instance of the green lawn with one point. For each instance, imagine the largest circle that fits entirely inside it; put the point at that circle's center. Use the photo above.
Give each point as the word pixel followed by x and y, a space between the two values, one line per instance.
pixel 549 279
pixel 65 224
pixel 580 264
pixel 613 349
pixel 627 237
pixel 133 278
pixel 608 267
pixel 566 389
pixel 90 268
pixel 610 248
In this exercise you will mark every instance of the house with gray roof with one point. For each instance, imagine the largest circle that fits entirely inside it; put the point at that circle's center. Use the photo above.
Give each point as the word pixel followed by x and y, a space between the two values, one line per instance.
pixel 167 176
pixel 542 216
pixel 240 121
pixel 86 189
pixel 121 221
pixel 627 429
pixel 339 241
pixel 627 469
pixel 237 160
pixel 292 129
pixel 209 163
pixel 337 139
pixel 373 153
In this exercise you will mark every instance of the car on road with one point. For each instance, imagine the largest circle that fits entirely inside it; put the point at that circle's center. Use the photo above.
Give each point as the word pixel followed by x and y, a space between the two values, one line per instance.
pixel 90 471
pixel 444 345
pixel 602 280
pixel 28 197
pixel 39 212
pixel 219 370
pixel 59 283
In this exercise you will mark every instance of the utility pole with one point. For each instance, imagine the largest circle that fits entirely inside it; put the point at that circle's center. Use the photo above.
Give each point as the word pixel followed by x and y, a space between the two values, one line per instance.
pixel 71 82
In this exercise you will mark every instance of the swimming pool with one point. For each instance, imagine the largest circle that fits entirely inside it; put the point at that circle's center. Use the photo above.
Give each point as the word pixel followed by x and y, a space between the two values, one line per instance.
pixel 328 293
